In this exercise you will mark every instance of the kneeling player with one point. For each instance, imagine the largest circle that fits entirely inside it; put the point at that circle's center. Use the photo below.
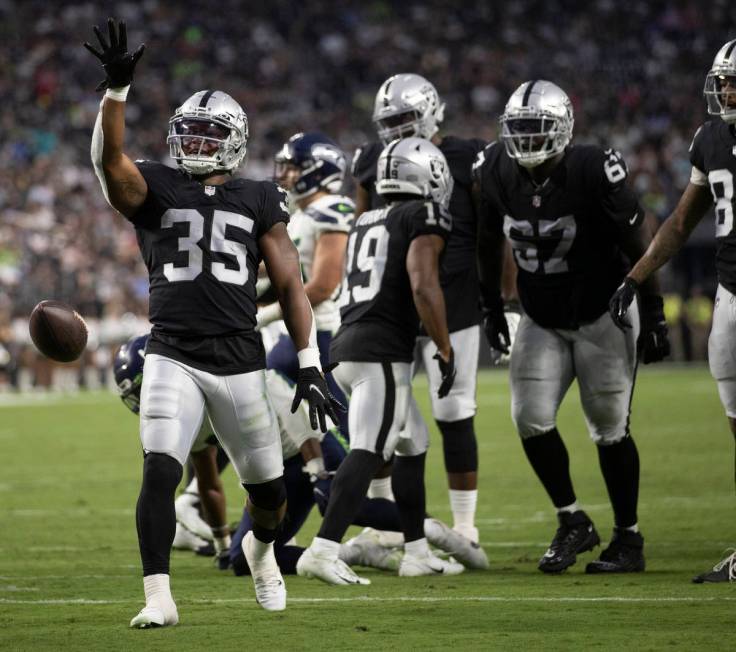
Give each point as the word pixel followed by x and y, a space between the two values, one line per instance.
pixel 391 282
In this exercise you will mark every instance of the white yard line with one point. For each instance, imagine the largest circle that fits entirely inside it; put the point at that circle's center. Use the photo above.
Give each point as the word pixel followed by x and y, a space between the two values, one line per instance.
pixel 411 599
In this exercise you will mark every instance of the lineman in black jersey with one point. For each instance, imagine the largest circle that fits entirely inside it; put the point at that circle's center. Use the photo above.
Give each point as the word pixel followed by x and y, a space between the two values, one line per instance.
pixel 202 235
pixel 572 221
pixel 391 281
pixel 408 105
pixel 713 157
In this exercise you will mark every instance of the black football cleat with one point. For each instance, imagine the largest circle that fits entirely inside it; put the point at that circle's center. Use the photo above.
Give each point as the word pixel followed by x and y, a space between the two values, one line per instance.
pixel 576 534
pixel 723 571
pixel 623 555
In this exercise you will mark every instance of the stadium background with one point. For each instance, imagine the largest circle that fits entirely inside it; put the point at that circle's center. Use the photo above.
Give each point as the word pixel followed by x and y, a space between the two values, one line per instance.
pixel 634 71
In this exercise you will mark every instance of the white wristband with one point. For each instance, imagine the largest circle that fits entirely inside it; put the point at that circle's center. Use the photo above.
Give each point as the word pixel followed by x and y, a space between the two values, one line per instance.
pixel 118 94
pixel 309 357
pixel 315 466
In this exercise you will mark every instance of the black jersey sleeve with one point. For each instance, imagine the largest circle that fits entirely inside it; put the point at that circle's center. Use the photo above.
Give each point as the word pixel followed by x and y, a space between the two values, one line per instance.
pixel 429 218
pixel 273 208
pixel 697 149
pixel 484 168
pixel 364 164
pixel 161 194
pixel 617 199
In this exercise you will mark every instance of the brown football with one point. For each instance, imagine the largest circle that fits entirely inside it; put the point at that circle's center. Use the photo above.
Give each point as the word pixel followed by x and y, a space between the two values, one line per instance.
pixel 58 331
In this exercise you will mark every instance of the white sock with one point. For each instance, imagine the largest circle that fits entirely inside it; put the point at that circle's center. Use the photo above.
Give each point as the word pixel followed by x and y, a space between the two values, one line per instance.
pixel 325 547
pixel 156 588
pixel 222 543
pixel 631 528
pixel 381 488
pixel 572 507
pixel 418 548
pixel 463 503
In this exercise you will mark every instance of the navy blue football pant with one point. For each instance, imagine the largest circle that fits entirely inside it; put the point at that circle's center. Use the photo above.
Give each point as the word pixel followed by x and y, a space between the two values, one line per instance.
pixel 282 358
pixel 301 496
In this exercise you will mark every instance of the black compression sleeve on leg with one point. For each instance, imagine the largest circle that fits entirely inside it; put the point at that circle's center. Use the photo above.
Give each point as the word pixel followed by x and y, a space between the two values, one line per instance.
pixel 459 445
pixel 154 515
pixel 548 456
pixel 267 506
pixel 347 492
pixel 620 467
pixel 407 482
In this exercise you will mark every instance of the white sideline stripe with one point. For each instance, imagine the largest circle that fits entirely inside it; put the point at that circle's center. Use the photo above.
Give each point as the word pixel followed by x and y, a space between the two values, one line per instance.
pixel 365 598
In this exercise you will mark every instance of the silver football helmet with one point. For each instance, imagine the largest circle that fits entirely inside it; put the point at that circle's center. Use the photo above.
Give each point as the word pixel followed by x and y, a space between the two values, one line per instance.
pixel 720 84
pixel 407 105
pixel 414 166
pixel 536 123
pixel 208 133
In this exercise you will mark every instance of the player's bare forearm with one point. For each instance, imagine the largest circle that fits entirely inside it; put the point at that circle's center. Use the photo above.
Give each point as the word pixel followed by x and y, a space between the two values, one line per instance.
pixel 282 263
pixel 422 265
pixel 674 232
pixel 327 266
pixel 125 184
pixel 508 273
pixel 634 244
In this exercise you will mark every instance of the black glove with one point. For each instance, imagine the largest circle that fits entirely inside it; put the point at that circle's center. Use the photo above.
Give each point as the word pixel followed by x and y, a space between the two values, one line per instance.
pixel 495 326
pixel 448 372
pixel 118 64
pixel 653 344
pixel 311 385
pixel 619 304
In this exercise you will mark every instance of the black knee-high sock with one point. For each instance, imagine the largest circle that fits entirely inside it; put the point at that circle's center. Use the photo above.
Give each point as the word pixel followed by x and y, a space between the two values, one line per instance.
pixel 548 456
pixel 347 492
pixel 154 515
pixel 620 467
pixel 407 482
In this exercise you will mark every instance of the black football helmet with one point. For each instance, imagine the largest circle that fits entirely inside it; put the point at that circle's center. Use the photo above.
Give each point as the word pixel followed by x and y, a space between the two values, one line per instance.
pixel 128 368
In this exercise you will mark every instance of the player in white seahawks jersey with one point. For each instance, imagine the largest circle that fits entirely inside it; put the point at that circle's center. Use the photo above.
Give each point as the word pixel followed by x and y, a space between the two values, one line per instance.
pixel 312 167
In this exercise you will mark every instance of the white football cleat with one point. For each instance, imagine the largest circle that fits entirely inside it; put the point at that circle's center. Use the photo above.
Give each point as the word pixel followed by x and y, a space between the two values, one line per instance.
pixel 468 531
pixel 186 540
pixel 156 614
pixel 450 540
pixel 328 569
pixel 267 579
pixel 365 550
pixel 188 515
pixel 429 564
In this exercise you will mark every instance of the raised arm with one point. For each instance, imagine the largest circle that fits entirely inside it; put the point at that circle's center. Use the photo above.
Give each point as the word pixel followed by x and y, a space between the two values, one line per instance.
pixel 123 184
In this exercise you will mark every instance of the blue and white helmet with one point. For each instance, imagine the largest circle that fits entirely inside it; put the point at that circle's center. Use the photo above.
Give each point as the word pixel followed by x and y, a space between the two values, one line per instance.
pixel 208 118
pixel 321 163
pixel 721 75
pixel 128 370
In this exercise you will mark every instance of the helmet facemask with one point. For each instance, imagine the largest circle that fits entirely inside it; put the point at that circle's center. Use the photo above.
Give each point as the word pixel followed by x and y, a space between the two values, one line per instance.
pixel 193 131
pixel 533 138
pixel 720 92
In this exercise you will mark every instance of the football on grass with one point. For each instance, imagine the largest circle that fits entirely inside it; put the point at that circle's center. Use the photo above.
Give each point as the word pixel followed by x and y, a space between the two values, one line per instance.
pixel 58 331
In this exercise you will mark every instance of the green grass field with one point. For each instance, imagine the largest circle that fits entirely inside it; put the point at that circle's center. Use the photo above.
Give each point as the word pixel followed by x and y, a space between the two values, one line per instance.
pixel 69 565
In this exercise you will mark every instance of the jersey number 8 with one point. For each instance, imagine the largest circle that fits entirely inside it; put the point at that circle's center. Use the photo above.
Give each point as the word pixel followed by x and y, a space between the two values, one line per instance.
pixel 218 243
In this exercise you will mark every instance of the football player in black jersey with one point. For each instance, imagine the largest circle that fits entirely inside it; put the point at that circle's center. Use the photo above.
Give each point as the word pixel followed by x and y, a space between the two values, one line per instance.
pixel 391 282
pixel 202 233
pixel 572 222
pixel 408 105
pixel 713 157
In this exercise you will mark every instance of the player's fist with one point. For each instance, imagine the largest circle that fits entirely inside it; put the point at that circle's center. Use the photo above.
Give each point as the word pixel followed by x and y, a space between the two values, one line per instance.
pixel 654 345
pixel 619 304
pixel 117 62
pixel 496 327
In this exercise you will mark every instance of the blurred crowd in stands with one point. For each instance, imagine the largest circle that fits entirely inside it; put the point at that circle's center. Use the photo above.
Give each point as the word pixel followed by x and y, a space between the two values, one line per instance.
pixel 635 72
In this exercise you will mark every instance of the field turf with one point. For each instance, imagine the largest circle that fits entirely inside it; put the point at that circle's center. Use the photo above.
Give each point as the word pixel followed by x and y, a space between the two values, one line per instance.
pixel 70 575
